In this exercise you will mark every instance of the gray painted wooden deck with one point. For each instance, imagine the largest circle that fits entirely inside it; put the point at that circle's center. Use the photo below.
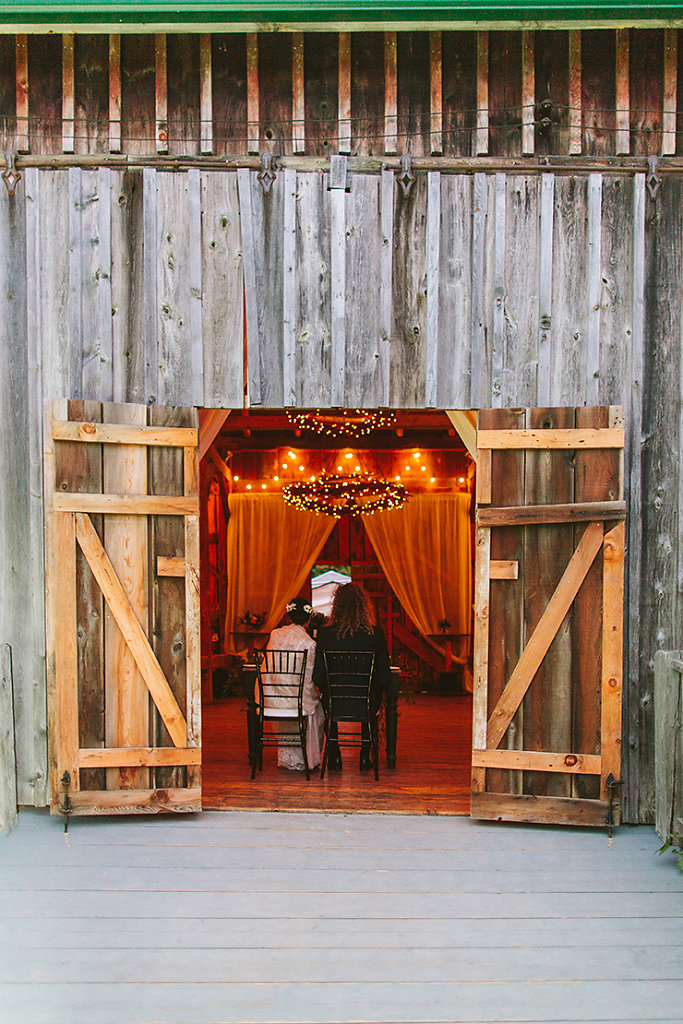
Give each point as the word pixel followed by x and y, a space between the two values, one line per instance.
pixel 335 918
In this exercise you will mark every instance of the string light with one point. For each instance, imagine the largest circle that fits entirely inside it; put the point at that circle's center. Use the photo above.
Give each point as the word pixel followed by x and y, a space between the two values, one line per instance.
pixel 416 455
pixel 340 496
pixel 423 468
pixel 276 478
pixel 263 487
pixel 342 422
pixel 248 487
pixel 235 478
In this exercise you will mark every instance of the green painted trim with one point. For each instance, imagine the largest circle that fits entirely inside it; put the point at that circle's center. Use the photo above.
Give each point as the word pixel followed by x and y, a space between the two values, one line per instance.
pixel 331 15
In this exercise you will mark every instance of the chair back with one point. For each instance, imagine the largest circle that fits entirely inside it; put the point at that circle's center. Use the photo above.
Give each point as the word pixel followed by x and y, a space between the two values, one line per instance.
pixel 280 679
pixel 349 680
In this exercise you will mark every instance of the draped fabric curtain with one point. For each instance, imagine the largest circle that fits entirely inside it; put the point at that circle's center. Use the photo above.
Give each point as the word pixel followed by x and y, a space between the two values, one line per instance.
pixel 424 549
pixel 270 550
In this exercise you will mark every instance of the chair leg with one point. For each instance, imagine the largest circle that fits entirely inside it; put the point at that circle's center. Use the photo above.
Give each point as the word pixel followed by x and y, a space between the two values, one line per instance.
pixel 323 764
pixel 374 733
pixel 303 727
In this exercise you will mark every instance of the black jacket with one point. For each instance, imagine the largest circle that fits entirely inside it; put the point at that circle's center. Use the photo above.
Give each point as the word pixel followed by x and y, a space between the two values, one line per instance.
pixel 327 640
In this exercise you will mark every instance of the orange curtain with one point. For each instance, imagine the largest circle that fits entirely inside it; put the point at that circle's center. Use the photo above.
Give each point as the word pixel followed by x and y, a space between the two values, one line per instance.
pixel 424 549
pixel 270 550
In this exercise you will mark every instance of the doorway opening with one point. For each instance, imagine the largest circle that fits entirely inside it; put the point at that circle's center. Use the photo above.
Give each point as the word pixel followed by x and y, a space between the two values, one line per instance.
pixel 415 562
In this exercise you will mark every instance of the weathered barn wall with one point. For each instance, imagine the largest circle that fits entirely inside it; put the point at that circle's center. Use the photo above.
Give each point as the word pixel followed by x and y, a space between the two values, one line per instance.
pixel 476 290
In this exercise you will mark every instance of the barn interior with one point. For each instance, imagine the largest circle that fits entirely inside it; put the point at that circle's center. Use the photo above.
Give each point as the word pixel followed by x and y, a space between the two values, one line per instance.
pixel 258 551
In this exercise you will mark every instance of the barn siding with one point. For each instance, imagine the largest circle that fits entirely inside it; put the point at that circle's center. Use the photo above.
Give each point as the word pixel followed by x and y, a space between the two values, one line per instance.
pixel 135 294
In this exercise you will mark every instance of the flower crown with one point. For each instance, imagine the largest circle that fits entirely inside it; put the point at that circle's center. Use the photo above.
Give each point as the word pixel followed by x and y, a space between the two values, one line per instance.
pixel 292 605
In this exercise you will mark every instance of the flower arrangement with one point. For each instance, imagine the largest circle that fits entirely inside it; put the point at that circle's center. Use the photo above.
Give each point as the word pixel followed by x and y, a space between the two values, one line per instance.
pixel 292 605
pixel 444 626
pixel 252 620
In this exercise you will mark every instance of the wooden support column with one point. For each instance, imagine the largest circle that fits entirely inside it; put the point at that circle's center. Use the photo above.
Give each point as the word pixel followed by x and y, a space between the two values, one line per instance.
pixel 436 93
pixel 68 104
pixel 528 93
pixel 575 117
pixel 344 111
pixel 390 94
pixel 253 115
pixel 161 93
pixel 22 93
pixel 623 93
pixel 114 93
pixel 298 94
pixel 482 143
pixel 670 92
pixel 205 94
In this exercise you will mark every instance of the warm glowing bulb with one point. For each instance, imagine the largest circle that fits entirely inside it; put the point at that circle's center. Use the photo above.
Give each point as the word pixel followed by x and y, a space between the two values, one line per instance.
pixel 291 454
pixel 432 479
pixel 313 479
pixel 357 469
pixel 248 487
pixel 340 468
pixel 349 455
pixel 235 477
pixel 407 469
pixel 461 479
pixel 398 478
pixel 284 465
pixel 263 487
pixel 276 478
pixel 423 468
pixel 416 455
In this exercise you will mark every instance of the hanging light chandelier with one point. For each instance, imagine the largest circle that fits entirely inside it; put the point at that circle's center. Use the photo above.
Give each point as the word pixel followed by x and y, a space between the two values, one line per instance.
pixel 342 423
pixel 339 495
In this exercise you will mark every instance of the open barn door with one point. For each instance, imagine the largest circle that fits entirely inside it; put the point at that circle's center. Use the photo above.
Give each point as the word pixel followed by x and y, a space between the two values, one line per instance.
pixel 122 572
pixel 548 615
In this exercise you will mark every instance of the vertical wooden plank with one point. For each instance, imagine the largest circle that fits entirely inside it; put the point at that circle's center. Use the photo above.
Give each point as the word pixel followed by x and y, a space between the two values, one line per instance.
pixel 253 117
pixel 409 333
pixel 205 94
pixel 344 93
pixel 138 88
pixel 68 101
pixel 362 318
pixel 433 262
pixel 545 289
pixel 313 328
pixel 222 303
pixel 254 384
pixel 275 98
pixel 670 92
pixel 66 658
pixel 125 540
pixel 599 99
pixel 498 294
pixel 482 143
pixel 528 93
pixel 647 64
pixel 547 706
pixel 76 260
pixel 386 275
pixel 455 295
pixel 229 79
pixel 192 619
pixel 184 100
pixel 459 90
pixel 594 287
pixel 484 479
pixel 91 90
pixel 289 311
pixel 519 285
pixel 575 93
pixel 413 92
pixel 477 308
pixel 149 270
pixel 298 94
pixel 616 313
pixel 23 143
pixel 161 92
pixel 623 92
pixel 321 57
pixel 114 93
pixel 482 587
pixel 54 353
pixel 126 216
pixel 436 93
pixel 570 288
pixel 338 283
pixel 8 762
pixel 179 353
pixel 90 304
pixel 390 94
pixel 368 93
pixel 612 645
pixel 194 210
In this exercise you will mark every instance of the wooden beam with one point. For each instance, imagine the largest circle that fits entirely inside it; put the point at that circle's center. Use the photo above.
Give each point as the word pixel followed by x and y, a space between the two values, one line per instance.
pixel 546 810
pixel 570 438
pixel 114 93
pixel 612 654
pixel 210 425
pixel 574 512
pixel 161 92
pixel 390 93
pixel 133 634
pixel 132 801
pixel 436 93
pixel 115 433
pixel 670 97
pixel 480 665
pixel 484 477
pixel 68 100
pixel 21 50
pixel 623 99
pixel 253 101
pixel 66 652
pixel 205 94
pixel 170 566
pixel 126 504
pixel 544 634
pixel 482 141
pixel 501 569
pixel 465 422
pixel 298 94
pixel 538 761
pixel 8 766
pixel 344 95
pixel 575 93
pixel 138 757
pixel 528 93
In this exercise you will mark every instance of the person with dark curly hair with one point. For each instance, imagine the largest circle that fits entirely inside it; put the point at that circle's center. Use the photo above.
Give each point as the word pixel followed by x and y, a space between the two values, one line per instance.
pixel 352 626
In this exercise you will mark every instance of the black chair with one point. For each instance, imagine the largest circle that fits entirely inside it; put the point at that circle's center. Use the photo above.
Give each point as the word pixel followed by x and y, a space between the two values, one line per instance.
pixel 349 700
pixel 280 683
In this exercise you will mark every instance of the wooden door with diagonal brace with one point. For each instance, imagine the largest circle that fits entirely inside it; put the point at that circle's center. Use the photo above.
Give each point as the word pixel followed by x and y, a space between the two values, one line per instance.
pixel 122 589
pixel 548 615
